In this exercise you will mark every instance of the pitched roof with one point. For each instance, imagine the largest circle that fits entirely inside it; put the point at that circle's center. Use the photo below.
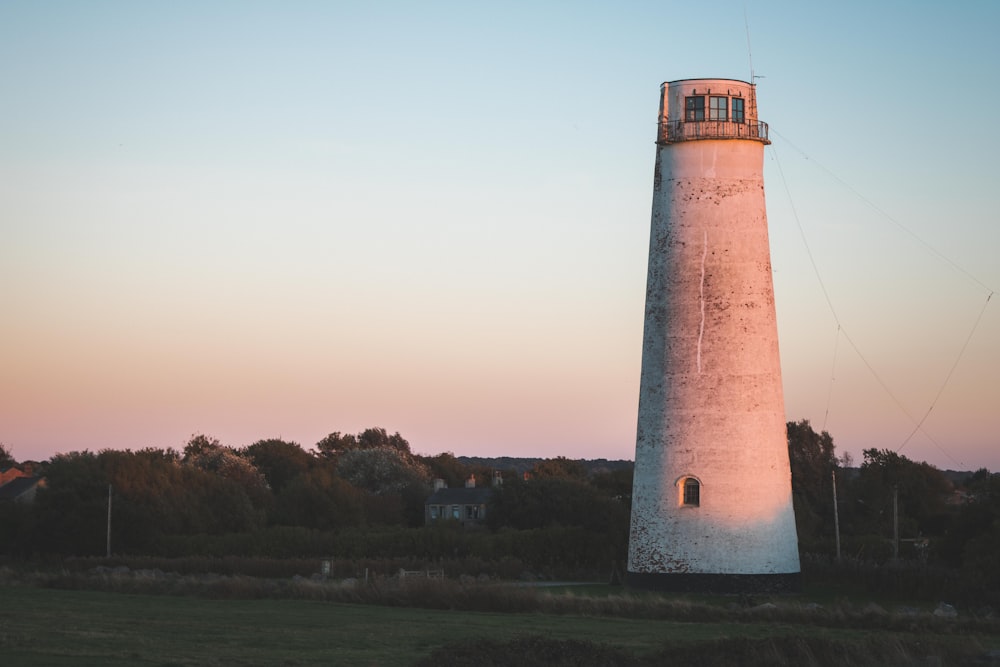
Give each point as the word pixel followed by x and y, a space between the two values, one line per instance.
pixel 11 472
pixel 463 496
pixel 17 487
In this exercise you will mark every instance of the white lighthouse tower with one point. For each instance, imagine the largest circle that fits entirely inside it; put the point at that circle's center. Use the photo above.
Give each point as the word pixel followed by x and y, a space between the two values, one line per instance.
pixel 712 497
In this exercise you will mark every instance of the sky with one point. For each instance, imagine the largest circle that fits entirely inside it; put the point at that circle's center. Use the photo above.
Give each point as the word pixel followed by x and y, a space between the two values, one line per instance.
pixel 260 219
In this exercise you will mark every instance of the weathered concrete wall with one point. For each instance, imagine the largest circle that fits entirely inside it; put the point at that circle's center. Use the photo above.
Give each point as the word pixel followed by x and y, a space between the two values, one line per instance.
pixel 711 404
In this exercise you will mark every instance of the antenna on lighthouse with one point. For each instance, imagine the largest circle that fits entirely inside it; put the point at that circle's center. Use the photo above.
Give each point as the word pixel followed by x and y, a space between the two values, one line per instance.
pixel 753 77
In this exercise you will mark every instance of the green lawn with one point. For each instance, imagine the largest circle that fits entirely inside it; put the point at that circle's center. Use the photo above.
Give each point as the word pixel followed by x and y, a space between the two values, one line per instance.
pixel 41 626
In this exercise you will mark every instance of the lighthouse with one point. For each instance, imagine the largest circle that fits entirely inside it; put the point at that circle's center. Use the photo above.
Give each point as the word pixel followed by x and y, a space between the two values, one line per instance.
pixel 712 498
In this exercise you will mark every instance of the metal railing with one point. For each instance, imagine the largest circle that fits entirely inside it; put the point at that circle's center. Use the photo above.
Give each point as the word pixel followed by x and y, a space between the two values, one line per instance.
pixel 691 130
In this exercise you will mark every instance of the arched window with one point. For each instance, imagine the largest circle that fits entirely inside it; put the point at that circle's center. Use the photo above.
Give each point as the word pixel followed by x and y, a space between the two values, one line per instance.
pixel 691 492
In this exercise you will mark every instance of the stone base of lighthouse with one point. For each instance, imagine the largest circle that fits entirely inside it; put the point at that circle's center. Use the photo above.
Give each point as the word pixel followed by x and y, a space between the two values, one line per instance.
pixel 715 583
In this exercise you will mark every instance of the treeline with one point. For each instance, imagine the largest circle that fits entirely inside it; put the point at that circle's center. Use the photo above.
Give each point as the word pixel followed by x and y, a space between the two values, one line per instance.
pixel 362 496
pixel 351 496
pixel 520 465
pixel 891 505
pixel 906 528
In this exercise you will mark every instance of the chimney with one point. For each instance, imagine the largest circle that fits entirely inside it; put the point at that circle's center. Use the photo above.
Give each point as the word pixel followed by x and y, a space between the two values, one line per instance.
pixel 497 478
pixel 471 482
pixel 439 484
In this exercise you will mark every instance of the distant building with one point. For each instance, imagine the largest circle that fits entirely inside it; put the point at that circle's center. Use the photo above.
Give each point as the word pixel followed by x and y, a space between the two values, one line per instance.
pixel 18 486
pixel 466 505
pixel 7 474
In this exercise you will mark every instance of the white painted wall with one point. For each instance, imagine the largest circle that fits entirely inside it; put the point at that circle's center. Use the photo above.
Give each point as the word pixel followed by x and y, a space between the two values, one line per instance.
pixel 711 403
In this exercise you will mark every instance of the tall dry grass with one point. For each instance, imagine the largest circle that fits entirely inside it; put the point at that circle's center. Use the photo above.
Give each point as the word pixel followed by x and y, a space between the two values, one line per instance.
pixel 480 594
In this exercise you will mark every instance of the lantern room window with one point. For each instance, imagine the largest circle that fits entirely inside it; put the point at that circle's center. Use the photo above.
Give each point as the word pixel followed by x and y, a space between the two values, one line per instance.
pixel 738 110
pixel 718 108
pixel 694 108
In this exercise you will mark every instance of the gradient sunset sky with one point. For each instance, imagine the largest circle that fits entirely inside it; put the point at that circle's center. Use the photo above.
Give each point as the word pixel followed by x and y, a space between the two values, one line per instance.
pixel 282 219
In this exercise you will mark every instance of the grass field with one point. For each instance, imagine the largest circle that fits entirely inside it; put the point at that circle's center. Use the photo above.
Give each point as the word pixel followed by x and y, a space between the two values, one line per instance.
pixel 41 626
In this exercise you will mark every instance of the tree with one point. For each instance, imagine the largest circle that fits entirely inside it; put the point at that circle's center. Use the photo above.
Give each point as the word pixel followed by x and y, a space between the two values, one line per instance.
pixel 445 466
pixel 280 462
pixel 553 501
pixel 812 459
pixel 154 494
pixel 559 467
pixel 71 510
pixel 208 455
pixel 979 552
pixel 17 529
pixel 6 457
pixel 199 445
pixel 921 490
pixel 217 505
pixel 616 484
pixel 149 494
pixel 382 470
pixel 971 524
pixel 335 444
pixel 372 438
pixel 15 518
pixel 319 499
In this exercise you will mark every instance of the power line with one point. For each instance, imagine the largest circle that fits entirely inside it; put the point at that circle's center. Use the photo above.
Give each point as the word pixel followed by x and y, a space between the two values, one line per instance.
pixel 944 384
pixel 840 329
pixel 955 265
pixel 826 294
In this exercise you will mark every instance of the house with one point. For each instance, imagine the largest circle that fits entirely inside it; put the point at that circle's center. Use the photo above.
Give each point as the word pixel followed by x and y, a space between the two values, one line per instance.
pixel 21 489
pixel 7 474
pixel 466 505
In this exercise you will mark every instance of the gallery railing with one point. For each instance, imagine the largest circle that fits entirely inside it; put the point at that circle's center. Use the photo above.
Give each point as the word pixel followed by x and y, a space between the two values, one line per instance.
pixel 691 130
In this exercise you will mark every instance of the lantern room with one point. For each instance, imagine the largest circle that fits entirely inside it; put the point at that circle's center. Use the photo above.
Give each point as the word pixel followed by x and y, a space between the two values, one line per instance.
pixel 694 109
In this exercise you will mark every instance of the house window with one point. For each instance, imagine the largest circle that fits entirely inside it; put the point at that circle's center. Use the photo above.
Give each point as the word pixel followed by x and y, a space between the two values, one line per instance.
pixel 718 108
pixel 472 511
pixel 737 109
pixel 692 492
pixel 455 512
pixel 694 108
pixel 434 511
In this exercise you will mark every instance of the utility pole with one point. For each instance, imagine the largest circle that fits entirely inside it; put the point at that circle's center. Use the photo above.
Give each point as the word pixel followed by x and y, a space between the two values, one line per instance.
pixel 836 513
pixel 109 521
